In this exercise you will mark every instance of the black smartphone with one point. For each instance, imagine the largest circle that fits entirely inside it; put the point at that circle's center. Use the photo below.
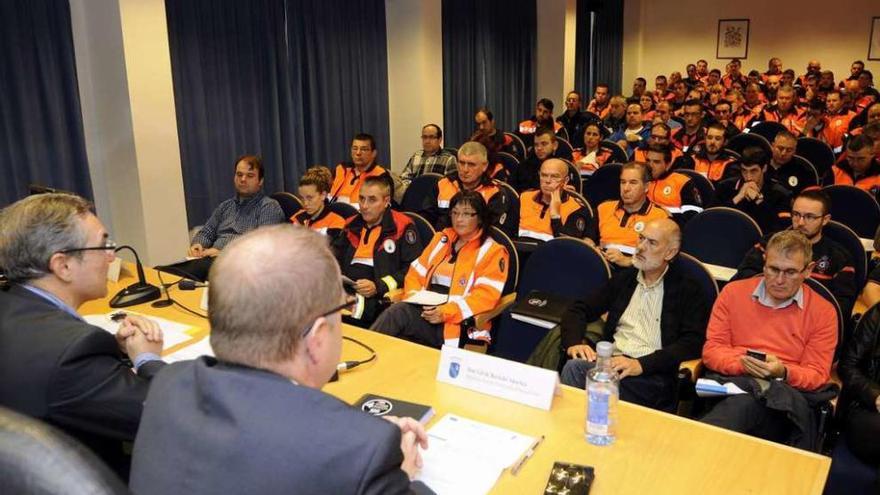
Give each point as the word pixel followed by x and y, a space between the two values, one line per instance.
pixel 760 356
pixel 573 479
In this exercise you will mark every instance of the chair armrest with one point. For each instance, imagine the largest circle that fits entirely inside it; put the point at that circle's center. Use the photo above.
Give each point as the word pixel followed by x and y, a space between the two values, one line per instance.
pixel 505 302
pixel 694 368
pixel 394 296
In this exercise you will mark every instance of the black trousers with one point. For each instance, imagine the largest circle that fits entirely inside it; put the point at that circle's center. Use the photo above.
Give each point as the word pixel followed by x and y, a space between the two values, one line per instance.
pixel 656 391
pixel 863 434
pixel 404 320
pixel 746 414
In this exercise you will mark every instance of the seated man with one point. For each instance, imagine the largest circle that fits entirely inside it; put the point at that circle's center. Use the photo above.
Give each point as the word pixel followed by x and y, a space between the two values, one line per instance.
pixel 833 125
pixel 249 209
pixel 656 319
pixel 53 365
pixel 599 104
pixel 350 176
pixel 432 158
pixel 525 176
pixel 550 211
pixel 674 191
pixel 663 115
pixel 724 115
pixel 711 159
pixel 692 133
pixel 783 167
pixel 786 112
pixel 254 419
pixel 463 262
pixel 375 249
pixel 659 136
pixel 752 193
pixel 793 327
pixel 860 404
pixel 860 168
pixel 833 265
pixel 618 223
pixel 489 135
pixel 635 133
pixel 574 120
pixel 616 117
pixel 542 119
pixel 472 175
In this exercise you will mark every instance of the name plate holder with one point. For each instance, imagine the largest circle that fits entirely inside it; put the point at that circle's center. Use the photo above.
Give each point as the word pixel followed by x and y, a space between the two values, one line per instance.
pixel 498 377
pixel 114 270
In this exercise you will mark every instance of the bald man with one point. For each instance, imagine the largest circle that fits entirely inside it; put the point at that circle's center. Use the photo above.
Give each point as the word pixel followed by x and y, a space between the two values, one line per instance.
pixel 550 211
pixel 657 318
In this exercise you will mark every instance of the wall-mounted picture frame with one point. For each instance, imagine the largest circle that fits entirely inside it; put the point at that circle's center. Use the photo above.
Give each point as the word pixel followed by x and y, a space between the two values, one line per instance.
pixel 874 40
pixel 733 39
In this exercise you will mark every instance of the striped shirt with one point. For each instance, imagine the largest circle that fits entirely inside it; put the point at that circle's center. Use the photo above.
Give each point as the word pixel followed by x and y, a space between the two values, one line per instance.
pixel 442 162
pixel 638 331
pixel 237 216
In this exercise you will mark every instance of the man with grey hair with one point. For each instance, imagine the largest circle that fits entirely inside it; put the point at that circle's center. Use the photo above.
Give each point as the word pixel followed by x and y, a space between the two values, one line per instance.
pixel 53 365
pixel 775 338
pixel 254 419
pixel 656 319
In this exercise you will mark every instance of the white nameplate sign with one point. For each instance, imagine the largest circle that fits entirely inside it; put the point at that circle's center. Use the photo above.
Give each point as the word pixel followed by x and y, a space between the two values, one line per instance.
pixel 490 375
pixel 204 303
pixel 114 270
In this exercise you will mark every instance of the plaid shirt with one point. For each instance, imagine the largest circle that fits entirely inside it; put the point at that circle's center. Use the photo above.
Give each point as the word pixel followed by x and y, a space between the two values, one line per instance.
pixel 442 162
pixel 237 216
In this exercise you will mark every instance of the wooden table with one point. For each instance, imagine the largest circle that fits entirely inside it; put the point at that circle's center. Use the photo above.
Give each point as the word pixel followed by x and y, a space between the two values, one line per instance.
pixel 655 452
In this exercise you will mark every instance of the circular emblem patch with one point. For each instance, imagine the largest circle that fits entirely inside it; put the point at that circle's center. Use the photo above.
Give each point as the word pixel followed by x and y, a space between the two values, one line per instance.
pixel 639 226
pixel 410 237
pixel 377 407
pixel 667 190
pixel 792 181
pixel 389 246
pixel 581 224
pixel 444 239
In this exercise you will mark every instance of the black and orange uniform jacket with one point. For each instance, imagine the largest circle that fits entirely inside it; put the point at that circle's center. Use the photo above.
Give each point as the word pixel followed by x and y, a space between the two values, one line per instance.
pixel 529 126
pixel 723 166
pixel 641 155
pixel 347 182
pixel 381 253
pixel 794 120
pixel 834 268
pixel 326 222
pixel 842 173
pixel 684 141
pixel 832 130
pixel 790 176
pixel 771 212
pixel 502 203
pixel 575 124
pixel 535 222
pixel 616 228
pixel 473 278
pixel 677 194
pixel 587 163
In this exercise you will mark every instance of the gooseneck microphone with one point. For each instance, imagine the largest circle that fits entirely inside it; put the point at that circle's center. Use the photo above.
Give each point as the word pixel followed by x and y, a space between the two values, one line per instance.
pixel 137 293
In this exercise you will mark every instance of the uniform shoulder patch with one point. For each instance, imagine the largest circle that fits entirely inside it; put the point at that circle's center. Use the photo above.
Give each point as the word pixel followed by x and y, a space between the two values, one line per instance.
pixel 410 237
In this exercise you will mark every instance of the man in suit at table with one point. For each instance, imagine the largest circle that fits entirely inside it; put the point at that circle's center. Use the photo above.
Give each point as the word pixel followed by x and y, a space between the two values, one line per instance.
pixel 254 420
pixel 53 365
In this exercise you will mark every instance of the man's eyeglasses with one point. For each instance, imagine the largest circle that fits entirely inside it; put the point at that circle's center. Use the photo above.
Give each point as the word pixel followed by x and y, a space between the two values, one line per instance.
pixel 349 302
pixel 809 217
pixel 425 136
pixel 774 272
pixel 109 245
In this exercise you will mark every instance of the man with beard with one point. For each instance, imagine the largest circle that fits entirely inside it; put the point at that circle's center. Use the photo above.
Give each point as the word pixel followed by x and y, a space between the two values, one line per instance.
pixel 599 103
pixel 525 176
pixel 656 318
pixel 711 159
pixel 543 118
pixel 833 264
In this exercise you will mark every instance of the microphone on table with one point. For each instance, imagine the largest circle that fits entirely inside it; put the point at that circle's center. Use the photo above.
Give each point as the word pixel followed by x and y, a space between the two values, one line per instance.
pixel 137 293
pixel 186 284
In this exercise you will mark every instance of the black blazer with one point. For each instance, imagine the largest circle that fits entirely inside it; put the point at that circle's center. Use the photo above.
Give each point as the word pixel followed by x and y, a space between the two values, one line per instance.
pixel 68 373
pixel 683 318
pixel 211 427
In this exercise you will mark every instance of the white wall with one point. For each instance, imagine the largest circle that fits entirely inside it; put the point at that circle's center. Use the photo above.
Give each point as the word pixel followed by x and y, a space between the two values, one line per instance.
pixel 662 36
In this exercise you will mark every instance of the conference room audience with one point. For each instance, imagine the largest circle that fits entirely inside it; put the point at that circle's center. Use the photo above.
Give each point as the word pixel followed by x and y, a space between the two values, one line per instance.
pixel 314 186
pixel 656 318
pixel 859 405
pixel 55 366
pixel 860 167
pixel 432 158
pixel 374 250
pixel 832 264
pixel 253 419
pixel 619 222
pixel 550 211
pixel 756 195
pixel 350 176
pixel 249 209
pixel 463 262
pixel 796 330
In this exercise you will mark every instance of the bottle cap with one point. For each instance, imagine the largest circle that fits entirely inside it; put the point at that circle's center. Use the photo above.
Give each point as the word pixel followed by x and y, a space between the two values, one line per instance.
pixel 604 349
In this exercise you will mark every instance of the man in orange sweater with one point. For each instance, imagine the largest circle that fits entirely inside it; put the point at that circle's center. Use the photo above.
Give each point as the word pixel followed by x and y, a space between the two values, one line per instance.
pixel 793 326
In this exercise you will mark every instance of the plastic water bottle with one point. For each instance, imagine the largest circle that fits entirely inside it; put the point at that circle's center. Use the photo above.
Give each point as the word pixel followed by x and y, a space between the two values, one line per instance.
pixel 602 394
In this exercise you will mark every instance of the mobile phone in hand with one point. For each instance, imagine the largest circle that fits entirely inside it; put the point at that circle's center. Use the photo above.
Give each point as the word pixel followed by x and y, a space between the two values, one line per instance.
pixel 760 356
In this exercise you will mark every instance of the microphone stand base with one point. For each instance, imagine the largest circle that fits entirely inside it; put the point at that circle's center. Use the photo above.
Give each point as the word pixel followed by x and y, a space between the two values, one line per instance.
pixel 135 294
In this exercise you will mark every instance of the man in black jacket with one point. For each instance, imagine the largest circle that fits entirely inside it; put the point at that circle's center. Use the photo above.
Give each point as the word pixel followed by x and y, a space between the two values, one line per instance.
pixel 656 319
pixel 53 365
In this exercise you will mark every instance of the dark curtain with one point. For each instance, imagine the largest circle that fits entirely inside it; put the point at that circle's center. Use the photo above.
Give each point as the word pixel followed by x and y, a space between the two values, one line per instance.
pixel 488 60
pixel 599 51
pixel 41 130
pixel 282 79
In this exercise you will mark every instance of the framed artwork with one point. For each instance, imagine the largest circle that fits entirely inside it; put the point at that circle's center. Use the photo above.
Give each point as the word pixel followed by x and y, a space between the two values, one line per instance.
pixel 874 44
pixel 733 38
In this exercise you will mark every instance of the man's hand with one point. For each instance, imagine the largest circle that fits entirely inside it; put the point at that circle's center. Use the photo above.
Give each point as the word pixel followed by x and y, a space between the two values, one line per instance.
pixel 618 258
pixel 772 368
pixel 195 250
pixel 364 287
pixel 210 252
pixel 138 335
pixel 749 192
pixel 581 351
pixel 625 366
pixel 555 204
pixel 412 437
pixel 432 314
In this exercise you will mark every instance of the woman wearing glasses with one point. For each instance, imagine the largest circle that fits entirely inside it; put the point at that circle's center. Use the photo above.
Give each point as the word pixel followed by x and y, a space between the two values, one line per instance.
pixel 462 262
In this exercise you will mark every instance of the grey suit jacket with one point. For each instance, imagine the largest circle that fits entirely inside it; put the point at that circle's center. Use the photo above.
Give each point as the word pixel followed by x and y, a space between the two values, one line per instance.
pixel 213 428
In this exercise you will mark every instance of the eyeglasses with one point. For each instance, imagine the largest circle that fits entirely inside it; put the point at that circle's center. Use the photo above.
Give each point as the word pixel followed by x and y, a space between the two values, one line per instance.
pixel 109 245
pixel 774 272
pixel 809 217
pixel 349 302
pixel 463 214
pixel 425 136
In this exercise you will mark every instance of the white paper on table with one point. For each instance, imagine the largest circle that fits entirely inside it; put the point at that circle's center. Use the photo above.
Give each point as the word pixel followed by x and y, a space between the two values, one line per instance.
pixel 427 298
pixel 192 351
pixel 467 457
pixel 173 333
